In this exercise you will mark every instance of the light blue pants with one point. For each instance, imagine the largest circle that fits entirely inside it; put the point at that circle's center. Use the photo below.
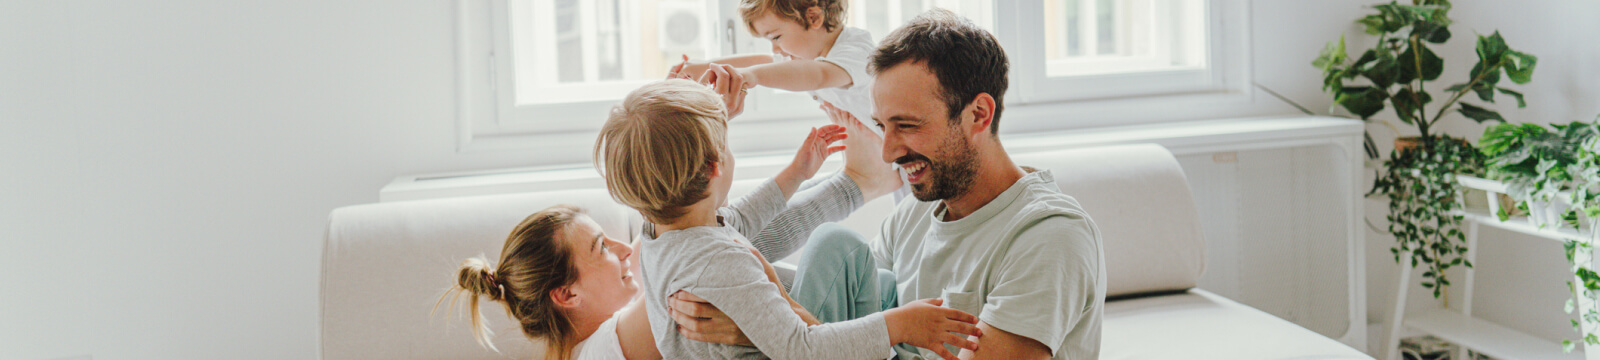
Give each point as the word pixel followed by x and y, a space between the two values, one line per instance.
pixel 837 280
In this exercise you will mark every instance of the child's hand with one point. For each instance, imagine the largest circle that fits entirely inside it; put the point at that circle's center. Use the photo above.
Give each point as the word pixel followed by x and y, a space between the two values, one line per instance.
pixel 863 155
pixel 816 148
pixel 813 151
pixel 924 324
pixel 686 69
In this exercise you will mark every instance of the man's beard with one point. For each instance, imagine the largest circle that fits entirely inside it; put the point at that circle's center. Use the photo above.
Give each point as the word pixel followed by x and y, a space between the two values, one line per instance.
pixel 952 176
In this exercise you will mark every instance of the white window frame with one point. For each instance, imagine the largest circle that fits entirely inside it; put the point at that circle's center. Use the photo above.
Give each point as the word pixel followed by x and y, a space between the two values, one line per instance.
pixel 488 121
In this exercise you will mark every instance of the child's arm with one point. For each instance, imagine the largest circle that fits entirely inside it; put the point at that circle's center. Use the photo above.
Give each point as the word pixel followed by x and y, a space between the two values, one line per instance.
pixel 695 68
pixel 797 75
pixel 750 213
pixel 739 289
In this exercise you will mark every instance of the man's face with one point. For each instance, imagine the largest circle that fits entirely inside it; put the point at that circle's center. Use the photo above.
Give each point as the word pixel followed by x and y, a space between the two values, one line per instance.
pixel 938 157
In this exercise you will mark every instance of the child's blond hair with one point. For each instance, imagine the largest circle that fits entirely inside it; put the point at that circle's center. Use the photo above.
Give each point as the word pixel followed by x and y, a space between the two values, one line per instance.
pixel 794 10
pixel 656 145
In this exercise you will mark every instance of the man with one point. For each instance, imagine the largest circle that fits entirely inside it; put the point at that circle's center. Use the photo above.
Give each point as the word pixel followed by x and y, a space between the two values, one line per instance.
pixel 989 237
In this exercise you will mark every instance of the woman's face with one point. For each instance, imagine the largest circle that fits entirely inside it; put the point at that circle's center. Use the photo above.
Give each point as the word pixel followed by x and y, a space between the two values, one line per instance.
pixel 605 275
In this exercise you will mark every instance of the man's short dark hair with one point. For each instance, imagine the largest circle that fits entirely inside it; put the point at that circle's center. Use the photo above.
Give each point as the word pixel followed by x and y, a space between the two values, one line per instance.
pixel 966 59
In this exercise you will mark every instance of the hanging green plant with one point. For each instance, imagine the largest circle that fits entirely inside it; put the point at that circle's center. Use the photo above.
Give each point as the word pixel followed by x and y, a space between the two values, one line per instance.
pixel 1584 173
pixel 1424 205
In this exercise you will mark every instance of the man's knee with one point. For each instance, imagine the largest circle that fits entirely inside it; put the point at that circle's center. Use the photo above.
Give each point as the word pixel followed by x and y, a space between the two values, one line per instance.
pixel 835 237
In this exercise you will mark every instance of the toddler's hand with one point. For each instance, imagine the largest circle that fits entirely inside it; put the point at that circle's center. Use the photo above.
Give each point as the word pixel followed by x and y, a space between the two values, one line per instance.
pixel 924 324
pixel 863 155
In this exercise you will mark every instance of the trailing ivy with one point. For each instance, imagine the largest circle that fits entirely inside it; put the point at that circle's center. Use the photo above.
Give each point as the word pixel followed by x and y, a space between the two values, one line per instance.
pixel 1424 205
pixel 1584 173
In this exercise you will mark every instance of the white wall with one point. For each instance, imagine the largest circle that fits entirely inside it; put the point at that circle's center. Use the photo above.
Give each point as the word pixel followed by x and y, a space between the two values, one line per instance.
pixel 169 165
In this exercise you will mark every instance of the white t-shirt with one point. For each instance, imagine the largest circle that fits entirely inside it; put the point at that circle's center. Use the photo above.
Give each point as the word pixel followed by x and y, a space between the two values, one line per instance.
pixel 602 345
pixel 1029 262
pixel 851 51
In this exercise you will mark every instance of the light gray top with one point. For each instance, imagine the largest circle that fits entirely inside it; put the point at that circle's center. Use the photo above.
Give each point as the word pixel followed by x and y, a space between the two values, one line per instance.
pixel 715 263
pixel 821 200
pixel 1029 262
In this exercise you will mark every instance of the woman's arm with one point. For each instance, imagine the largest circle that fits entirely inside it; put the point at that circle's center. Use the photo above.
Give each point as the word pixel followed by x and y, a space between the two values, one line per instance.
pixel 633 333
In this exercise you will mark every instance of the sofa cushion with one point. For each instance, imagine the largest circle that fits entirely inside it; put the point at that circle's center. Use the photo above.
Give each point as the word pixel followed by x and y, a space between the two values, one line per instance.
pixel 1199 325
pixel 1141 202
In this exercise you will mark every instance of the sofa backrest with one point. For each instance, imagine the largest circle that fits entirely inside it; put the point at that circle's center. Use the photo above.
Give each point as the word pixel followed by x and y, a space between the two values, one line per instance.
pixel 385 264
pixel 1141 201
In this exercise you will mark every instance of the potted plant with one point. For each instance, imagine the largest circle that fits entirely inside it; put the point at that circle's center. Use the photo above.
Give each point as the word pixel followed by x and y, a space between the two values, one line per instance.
pixel 1538 166
pixel 1396 73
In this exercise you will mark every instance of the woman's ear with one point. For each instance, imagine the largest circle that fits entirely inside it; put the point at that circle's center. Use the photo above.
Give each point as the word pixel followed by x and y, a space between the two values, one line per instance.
pixel 813 17
pixel 565 298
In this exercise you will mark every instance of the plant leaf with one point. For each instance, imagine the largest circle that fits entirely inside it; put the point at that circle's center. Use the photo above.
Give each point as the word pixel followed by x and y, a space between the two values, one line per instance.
pixel 1428 68
pixel 1519 66
pixel 1480 114
pixel 1515 94
pixel 1332 55
pixel 1364 101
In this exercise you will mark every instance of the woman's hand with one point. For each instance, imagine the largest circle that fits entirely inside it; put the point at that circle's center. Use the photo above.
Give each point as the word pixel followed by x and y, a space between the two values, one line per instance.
pixel 924 324
pixel 698 320
pixel 730 83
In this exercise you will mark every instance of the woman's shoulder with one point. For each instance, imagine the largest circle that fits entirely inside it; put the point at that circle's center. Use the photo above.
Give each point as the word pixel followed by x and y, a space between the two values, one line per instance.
pixel 602 345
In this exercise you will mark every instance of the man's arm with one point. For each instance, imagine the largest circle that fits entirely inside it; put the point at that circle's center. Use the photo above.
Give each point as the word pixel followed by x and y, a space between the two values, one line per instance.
pixel 999 344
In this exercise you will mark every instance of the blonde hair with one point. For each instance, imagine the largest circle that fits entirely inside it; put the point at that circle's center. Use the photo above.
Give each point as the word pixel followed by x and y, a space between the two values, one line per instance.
pixel 654 149
pixel 794 10
pixel 533 262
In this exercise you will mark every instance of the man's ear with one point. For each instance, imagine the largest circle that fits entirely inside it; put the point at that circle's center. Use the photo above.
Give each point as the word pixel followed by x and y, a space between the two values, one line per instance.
pixel 813 17
pixel 979 115
pixel 565 298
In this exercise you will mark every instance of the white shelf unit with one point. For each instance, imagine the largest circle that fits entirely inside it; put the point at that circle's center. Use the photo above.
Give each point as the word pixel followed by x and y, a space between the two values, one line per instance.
pixel 1460 327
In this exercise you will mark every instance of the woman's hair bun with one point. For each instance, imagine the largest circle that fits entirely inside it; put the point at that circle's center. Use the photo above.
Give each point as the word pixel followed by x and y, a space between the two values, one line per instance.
pixel 477 277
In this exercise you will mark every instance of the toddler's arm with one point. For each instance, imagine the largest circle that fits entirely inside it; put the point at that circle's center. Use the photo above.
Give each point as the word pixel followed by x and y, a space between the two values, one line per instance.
pixel 797 75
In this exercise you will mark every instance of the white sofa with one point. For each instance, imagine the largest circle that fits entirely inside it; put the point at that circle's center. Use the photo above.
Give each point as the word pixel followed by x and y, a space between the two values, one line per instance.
pixel 385 264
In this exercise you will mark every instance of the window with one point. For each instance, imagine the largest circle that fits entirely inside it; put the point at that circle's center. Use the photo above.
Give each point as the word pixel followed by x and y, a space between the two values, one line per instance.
pixel 574 51
pixel 1093 37
pixel 541 74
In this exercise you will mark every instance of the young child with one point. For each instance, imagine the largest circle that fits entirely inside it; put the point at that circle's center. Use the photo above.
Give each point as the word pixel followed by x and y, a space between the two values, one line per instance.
pixel 813 51
pixel 663 151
